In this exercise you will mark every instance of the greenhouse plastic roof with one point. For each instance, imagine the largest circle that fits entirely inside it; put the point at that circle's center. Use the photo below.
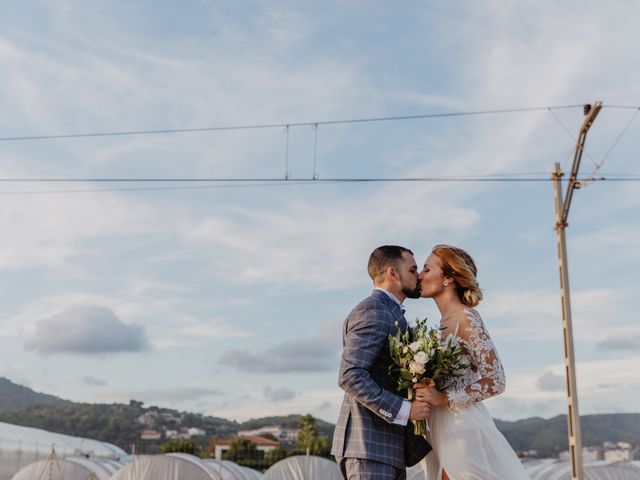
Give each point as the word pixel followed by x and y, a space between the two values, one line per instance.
pixel 560 470
pixel 301 467
pixel 232 471
pixel 74 468
pixel 17 438
pixel 181 466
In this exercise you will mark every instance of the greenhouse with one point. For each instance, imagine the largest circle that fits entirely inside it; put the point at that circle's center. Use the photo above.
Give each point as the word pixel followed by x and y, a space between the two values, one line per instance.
pixel 181 466
pixel 560 470
pixel 21 446
pixel 72 468
pixel 232 471
pixel 302 467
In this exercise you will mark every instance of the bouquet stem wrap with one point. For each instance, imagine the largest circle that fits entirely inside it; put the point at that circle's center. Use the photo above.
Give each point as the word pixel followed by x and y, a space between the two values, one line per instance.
pixel 420 427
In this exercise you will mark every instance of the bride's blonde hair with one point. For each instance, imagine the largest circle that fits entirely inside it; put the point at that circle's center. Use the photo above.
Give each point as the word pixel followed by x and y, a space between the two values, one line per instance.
pixel 458 264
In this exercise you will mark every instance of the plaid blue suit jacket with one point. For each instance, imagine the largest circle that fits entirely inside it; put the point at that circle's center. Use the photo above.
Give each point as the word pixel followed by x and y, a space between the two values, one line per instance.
pixel 365 427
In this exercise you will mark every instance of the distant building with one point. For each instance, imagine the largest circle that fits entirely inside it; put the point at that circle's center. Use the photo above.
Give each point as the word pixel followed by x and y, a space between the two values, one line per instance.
pixel 617 455
pixel 148 419
pixel 610 452
pixel 528 453
pixel 195 432
pixel 592 453
pixel 150 435
pixel 170 417
pixel 262 444
pixel 283 434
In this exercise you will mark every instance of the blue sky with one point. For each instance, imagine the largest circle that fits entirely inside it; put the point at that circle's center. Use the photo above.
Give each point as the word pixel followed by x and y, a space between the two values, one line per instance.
pixel 229 300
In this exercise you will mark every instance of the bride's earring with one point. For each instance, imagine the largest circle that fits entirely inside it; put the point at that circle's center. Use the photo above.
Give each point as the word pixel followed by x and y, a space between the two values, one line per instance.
pixel 446 284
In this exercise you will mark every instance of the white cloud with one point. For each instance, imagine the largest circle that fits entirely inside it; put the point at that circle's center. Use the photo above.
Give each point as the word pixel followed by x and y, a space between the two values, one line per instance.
pixel 287 357
pixel 93 381
pixel 322 403
pixel 278 394
pixel 551 382
pixel 318 245
pixel 174 395
pixel 86 330
pixel 48 231
pixel 620 343
pixel 537 314
pixel 319 353
pixel 604 386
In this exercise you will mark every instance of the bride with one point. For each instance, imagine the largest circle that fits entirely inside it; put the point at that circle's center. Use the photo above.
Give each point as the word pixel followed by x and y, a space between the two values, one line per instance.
pixel 466 443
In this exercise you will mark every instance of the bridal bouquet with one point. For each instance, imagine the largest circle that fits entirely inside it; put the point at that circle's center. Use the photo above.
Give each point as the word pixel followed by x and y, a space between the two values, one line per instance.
pixel 425 358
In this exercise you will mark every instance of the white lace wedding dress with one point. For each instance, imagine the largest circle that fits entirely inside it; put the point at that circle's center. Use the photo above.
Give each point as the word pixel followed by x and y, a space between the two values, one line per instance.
pixel 465 440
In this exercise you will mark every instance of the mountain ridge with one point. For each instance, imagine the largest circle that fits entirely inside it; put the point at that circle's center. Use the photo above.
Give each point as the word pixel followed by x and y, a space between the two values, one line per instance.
pixel 121 424
pixel 15 396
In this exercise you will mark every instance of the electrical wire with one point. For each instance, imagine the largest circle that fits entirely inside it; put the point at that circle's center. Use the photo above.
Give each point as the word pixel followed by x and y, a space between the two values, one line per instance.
pixel 142 189
pixel 248 183
pixel 283 125
pixel 615 143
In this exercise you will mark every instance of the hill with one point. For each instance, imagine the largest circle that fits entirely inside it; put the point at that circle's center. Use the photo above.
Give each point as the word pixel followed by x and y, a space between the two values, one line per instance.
pixel 17 397
pixel 549 436
pixel 121 424
pixel 117 423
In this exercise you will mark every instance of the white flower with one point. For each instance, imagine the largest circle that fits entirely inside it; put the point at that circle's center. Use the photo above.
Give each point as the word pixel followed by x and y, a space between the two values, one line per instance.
pixel 416 368
pixel 405 350
pixel 415 346
pixel 421 357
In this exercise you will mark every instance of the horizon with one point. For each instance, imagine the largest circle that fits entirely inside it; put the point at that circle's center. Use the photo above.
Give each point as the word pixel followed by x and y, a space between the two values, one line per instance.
pixel 246 420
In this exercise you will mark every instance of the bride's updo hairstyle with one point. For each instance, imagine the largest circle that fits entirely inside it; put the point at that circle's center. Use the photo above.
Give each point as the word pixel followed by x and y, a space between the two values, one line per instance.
pixel 458 264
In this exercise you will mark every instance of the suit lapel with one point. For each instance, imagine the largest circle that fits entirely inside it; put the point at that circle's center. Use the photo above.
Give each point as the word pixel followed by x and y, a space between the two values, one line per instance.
pixel 396 312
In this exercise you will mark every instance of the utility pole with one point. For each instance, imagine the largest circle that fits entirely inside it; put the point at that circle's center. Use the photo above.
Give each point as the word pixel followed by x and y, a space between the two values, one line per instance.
pixel 562 213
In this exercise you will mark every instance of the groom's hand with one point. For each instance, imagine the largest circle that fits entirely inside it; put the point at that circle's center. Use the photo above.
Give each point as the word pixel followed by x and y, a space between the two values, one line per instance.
pixel 419 410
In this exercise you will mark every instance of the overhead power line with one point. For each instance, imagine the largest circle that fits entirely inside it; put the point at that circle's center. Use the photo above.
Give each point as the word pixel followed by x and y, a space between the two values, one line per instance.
pixel 504 177
pixel 214 184
pixel 284 125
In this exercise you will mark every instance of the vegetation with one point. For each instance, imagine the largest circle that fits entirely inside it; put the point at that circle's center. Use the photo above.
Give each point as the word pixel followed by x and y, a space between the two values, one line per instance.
pixel 549 437
pixel 17 397
pixel 179 445
pixel 309 441
pixel 115 423
pixel 121 425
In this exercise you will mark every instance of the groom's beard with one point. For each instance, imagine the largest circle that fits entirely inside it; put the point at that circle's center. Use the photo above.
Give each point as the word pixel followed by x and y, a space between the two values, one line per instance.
pixel 412 292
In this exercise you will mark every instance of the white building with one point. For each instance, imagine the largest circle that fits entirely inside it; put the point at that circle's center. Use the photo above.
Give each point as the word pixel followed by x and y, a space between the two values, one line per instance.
pixel 617 455
pixel 283 434
pixel 262 444
pixel 592 453
pixel 195 432
pixel 150 435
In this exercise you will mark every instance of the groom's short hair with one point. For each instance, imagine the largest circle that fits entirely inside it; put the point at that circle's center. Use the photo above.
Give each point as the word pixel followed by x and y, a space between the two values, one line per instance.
pixel 384 257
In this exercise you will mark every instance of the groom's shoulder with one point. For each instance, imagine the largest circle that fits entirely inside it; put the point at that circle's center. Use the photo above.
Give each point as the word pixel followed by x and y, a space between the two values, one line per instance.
pixel 372 302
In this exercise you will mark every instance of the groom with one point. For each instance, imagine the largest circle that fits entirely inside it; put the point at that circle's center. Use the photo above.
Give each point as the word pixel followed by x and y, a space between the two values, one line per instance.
pixel 373 439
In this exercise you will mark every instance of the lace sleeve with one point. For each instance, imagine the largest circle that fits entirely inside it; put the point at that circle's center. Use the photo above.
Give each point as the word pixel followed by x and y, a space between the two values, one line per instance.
pixel 484 359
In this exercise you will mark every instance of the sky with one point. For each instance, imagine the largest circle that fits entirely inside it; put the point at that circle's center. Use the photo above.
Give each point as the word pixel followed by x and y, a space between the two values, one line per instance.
pixel 228 298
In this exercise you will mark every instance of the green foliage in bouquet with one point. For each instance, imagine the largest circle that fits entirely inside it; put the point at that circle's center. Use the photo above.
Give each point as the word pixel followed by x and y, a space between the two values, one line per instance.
pixel 425 358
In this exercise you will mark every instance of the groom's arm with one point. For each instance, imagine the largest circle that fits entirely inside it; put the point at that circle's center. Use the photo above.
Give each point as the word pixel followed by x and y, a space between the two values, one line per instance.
pixel 363 341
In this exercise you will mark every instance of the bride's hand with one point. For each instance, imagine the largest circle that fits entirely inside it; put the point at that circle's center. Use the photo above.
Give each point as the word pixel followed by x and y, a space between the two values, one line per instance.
pixel 430 394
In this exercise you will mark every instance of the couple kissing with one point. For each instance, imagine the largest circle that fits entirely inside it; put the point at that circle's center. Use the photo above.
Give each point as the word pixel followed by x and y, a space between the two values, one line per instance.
pixel 374 436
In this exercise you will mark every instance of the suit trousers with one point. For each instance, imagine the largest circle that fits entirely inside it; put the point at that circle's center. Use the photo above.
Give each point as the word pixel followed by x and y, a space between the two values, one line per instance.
pixel 363 469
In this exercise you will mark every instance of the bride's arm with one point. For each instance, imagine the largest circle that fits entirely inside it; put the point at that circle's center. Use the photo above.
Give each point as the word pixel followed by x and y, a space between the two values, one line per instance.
pixel 485 357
